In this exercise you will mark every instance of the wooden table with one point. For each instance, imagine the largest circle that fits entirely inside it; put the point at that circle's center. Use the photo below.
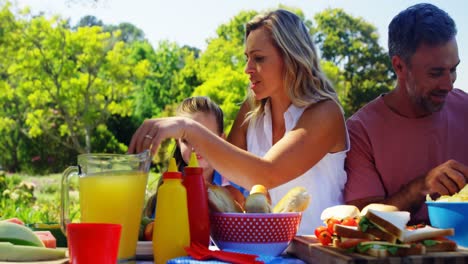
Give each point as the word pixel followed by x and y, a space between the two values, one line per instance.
pixel 309 250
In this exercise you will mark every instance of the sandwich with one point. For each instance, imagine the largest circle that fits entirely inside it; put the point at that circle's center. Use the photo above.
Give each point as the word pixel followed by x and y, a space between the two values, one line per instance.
pixel 434 239
pixel 387 226
pixel 340 214
pixel 345 215
pixel 354 240
pixel 385 233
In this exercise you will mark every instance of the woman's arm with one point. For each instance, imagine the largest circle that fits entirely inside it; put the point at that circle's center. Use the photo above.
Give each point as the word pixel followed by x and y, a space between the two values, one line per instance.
pixel 320 130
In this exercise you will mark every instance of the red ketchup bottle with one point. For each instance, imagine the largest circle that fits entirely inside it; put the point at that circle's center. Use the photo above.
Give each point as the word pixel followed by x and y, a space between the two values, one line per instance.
pixel 197 202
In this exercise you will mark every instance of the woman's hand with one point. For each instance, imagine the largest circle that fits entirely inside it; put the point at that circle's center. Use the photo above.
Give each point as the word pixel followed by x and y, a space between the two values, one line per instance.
pixel 153 131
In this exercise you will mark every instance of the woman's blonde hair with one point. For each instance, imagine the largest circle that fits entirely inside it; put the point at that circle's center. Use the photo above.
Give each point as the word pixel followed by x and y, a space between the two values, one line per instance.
pixel 304 80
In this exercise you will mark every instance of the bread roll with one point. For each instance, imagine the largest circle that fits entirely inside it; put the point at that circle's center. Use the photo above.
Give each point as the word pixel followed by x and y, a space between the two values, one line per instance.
pixel 257 203
pixel 296 200
pixel 379 207
pixel 340 212
pixel 220 200
pixel 236 194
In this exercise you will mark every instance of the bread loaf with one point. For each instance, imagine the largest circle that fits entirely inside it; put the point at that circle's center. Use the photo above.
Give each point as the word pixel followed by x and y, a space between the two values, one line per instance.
pixel 220 200
pixel 296 200
pixel 236 194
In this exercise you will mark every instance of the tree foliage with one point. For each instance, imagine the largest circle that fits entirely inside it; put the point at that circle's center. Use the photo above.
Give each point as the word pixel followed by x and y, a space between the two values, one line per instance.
pixel 63 85
pixel 352 44
pixel 221 67
pixel 67 90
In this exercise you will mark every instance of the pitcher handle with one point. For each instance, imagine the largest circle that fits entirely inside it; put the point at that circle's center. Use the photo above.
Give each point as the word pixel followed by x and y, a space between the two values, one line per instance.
pixel 64 202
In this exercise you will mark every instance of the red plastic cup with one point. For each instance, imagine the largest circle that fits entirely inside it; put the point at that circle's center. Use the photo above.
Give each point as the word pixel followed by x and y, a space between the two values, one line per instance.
pixel 93 242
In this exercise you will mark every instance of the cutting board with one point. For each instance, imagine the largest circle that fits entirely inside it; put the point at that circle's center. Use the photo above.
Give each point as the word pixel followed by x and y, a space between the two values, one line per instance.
pixel 309 250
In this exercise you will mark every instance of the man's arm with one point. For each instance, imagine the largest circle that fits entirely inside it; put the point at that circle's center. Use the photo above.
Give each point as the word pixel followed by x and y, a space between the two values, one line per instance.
pixel 446 179
pixel 407 199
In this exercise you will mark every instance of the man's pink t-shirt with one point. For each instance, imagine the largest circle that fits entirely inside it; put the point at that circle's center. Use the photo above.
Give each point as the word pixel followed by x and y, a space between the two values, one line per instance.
pixel 388 150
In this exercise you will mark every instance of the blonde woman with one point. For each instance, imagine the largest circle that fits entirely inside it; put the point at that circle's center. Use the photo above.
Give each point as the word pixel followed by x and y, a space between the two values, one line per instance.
pixel 289 132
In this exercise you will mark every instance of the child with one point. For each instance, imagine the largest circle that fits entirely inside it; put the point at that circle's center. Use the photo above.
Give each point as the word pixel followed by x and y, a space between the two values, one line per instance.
pixel 209 114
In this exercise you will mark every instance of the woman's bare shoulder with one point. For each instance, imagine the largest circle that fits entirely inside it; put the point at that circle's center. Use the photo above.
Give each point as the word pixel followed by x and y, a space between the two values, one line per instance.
pixel 325 121
pixel 326 111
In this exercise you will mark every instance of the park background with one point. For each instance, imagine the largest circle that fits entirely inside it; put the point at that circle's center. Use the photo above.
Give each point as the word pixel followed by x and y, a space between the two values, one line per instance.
pixel 79 76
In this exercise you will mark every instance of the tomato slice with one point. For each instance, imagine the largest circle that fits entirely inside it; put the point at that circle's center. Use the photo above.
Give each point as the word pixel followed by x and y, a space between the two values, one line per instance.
pixel 319 230
pixel 331 223
pixel 325 238
pixel 349 221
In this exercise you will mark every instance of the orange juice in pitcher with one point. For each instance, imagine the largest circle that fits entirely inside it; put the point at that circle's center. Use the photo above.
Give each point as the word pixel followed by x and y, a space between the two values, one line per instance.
pixel 101 201
pixel 111 190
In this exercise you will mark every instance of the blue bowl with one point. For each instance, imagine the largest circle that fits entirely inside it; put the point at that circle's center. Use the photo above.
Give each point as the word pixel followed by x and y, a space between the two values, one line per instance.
pixel 451 215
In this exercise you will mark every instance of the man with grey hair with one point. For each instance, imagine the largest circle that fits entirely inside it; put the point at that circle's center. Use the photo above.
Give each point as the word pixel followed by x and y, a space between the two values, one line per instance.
pixel 412 141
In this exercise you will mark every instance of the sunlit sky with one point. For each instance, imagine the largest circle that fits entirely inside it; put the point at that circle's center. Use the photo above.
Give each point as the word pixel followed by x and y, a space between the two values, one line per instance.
pixel 192 22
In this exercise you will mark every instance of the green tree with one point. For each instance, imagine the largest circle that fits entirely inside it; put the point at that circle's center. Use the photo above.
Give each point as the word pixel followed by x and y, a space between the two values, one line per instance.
pixel 352 44
pixel 166 83
pixel 70 82
pixel 127 32
pixel 89 21
pixel 10 107
pixel 221 66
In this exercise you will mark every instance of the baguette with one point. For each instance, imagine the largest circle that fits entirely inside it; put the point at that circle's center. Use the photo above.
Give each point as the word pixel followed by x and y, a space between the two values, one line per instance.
pixel 220 200
pixel 296 200
pixel 236 194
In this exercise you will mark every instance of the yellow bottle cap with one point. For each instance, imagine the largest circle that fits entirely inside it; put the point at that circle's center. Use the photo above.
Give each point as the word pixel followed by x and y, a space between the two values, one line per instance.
pixel 258 188
pixel 193 160
pixel 172 172
pixel 172 165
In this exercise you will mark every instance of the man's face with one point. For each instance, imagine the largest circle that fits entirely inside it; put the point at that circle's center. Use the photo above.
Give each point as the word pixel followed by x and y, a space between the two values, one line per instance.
pixel 430 75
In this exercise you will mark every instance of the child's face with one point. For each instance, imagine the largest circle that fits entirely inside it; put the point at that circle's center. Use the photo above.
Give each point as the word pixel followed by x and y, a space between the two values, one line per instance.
pixel 209 121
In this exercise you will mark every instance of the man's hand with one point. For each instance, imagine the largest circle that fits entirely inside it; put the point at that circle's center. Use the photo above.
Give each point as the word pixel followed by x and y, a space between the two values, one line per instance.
pixel 446 179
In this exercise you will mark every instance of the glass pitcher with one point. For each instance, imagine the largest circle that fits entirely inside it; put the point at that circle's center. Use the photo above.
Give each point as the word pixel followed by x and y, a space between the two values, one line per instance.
pixel 111 190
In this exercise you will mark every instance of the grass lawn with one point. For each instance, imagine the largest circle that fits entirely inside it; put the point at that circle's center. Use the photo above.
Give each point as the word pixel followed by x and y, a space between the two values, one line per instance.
pixel 47 192
pixel 48 187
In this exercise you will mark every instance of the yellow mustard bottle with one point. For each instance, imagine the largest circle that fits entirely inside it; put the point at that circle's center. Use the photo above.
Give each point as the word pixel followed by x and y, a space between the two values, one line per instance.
pixel 171 224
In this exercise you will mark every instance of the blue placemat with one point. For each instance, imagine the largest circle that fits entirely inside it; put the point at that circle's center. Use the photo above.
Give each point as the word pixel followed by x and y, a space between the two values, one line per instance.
pixel 267 259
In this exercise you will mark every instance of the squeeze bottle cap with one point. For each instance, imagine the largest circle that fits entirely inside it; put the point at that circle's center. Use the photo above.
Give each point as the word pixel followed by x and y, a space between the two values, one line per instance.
pixel 193 163
pixel 172 172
